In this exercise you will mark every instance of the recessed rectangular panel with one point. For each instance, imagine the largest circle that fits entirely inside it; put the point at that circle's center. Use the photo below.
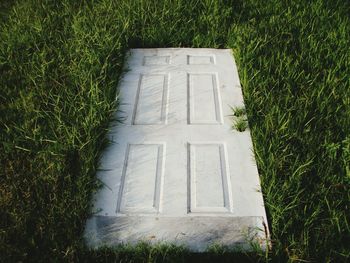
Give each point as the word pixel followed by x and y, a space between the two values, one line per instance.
pixel 200 60
pixel 151 100
pixel 204 100
pixel 141 184
pixel 208 179
pixel 156 60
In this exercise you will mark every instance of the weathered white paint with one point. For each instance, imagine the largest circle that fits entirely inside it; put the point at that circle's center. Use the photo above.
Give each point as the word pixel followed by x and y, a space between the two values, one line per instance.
pixel 176 170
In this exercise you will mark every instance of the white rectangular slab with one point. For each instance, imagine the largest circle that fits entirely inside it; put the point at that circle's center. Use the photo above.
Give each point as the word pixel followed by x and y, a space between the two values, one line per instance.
pixel 176 171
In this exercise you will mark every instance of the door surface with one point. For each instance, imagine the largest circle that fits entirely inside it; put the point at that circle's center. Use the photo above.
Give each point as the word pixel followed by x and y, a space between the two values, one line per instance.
pixel 176 171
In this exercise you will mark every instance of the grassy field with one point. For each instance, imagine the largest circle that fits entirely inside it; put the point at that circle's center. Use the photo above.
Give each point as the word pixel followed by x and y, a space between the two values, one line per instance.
pixel 60 62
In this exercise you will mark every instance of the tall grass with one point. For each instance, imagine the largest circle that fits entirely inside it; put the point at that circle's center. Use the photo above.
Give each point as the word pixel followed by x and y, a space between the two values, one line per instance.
pixel 60 62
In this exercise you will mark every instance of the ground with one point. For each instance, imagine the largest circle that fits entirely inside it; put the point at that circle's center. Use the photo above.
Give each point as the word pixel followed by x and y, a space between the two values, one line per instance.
pixel 60 62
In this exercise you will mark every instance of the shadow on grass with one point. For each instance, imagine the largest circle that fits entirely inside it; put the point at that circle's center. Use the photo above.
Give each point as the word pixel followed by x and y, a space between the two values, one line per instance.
pixel 144 252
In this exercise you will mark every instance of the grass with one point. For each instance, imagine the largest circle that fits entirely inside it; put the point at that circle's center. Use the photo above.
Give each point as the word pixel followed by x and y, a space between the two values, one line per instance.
pixel 240 122
pixel 239 111
pixel 60 62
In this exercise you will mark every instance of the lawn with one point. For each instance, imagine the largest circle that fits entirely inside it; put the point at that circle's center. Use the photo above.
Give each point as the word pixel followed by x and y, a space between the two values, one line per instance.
pixel 60 62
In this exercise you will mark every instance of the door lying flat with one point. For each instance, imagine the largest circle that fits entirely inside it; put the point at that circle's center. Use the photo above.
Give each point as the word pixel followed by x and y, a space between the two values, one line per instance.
pixel 176 171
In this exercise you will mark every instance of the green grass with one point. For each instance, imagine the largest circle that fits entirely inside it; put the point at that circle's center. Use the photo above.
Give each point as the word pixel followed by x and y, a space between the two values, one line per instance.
pixel 60 62
pixel 239 111
pixel 240 122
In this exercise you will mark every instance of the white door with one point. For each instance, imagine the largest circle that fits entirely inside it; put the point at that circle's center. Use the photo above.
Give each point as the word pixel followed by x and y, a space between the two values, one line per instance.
pixel 177 171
